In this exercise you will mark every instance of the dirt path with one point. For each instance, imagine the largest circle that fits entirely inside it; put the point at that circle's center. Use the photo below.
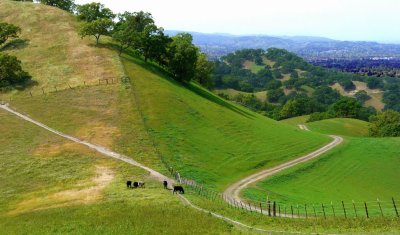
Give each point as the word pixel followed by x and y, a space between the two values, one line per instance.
pixel 160 177
pixel 233 192
pixel 128 160
pixel 303 127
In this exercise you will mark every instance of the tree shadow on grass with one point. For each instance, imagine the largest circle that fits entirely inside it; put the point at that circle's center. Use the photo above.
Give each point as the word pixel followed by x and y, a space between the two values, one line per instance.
pixel 134 58
pixel 22 86
pixel 16 44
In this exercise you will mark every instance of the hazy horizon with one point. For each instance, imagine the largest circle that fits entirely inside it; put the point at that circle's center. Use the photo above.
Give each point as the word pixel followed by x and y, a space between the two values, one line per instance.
pixel 346 20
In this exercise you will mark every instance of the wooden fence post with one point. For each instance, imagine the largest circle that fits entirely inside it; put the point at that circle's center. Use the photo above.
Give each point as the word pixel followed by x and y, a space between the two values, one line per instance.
pixel 250 208
pixel 323 210
pixel 380 207
pixel 291 208
pixel 315 213
pixel 305 209
pixel 269 208
pixel 333 209
pixel 355 210
pixel 261 208
pixel 298 211
pixel 274 209
pixel 366 209
pixel 395 208
pixel 285 210
pixel 344 210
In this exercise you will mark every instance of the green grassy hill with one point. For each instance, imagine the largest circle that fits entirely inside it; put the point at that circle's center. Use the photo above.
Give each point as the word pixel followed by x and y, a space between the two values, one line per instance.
pixel 204 137
pixel 51 49
pixel 52 186
pixel 362 169
pixel 45 179
pixel 296 120
pixel 340 126
pixel 207 138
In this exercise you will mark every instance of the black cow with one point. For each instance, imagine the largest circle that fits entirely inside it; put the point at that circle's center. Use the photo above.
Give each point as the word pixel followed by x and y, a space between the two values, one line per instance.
pixel 165 184
pixel 178 189
pixel 135 184
pixel 129 184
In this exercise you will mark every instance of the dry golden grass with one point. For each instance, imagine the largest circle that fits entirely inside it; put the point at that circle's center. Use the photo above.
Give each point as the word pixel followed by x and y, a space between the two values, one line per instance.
pixel 375 94
pixel 78 195
pixel 53 53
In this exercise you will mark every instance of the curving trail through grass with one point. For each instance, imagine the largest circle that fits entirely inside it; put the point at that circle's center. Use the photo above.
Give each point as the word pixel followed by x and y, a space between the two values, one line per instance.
pixel 233 192
pixel 130 161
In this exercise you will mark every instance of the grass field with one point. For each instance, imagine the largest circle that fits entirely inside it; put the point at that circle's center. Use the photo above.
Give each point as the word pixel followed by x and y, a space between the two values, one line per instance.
pixel 51 50
pixel 52 186
pixel 207 138
pixel 331 225
pixel 252 66
pixel 296 120
pixel 261 95
pixel 340 126
pixel 362 169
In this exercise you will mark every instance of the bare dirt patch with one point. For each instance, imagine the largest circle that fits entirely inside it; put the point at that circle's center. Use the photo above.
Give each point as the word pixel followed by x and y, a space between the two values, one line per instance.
pixel 70 197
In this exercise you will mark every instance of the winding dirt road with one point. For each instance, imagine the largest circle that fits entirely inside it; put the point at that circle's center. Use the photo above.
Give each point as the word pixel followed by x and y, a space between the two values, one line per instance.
pixel 233 191
pixel 130 161
pixel 160 177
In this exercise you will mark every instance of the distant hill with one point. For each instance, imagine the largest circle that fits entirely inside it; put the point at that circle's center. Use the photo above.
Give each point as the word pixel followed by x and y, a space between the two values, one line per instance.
pixel 311 48
pixel 281 85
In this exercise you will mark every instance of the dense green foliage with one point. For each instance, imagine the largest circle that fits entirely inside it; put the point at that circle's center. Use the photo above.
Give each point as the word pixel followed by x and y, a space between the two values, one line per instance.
pixel 8 31
pixel 288 96
pixel 97 28
pixel 94 11
pixel 11 73
pixel 391 96
pixel 386 124
pixel 67 5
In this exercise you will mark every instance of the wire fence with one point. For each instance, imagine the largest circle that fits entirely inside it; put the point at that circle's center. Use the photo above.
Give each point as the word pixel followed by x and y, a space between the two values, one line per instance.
pixel 48 89
pixel 274 208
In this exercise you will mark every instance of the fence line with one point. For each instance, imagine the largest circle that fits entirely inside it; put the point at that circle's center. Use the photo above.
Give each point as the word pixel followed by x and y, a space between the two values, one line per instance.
pixel 40 91
pixel 353 209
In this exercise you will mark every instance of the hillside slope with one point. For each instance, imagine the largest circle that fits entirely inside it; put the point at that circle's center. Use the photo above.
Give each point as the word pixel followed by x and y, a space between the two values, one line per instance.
pixel 340 126
pixel 51 50
pixel 362 169
pixel 207 138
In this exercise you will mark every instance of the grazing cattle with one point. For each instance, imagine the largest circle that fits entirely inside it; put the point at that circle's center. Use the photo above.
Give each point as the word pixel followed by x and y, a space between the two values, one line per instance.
pixel 178 189
pixel 165 184
pixel 141 184
pixel 135 184
pixel 129 184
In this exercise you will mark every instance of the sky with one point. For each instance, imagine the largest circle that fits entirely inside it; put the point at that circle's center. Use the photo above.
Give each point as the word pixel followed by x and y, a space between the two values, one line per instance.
pixel 355 20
